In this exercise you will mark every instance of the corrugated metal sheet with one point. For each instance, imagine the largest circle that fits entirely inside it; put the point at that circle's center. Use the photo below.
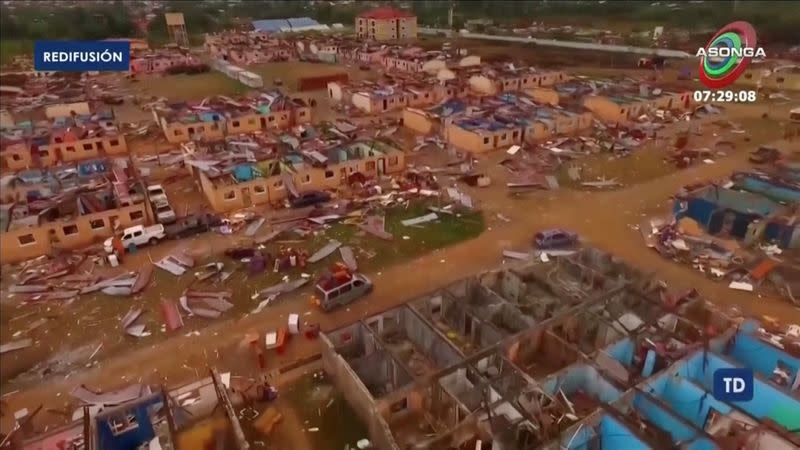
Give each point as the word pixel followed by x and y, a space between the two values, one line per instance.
pixel 296 22
pixel 272 25
pixel 276 25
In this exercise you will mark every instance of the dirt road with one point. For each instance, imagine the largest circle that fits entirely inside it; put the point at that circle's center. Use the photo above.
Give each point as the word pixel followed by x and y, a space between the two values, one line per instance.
pixel 603 219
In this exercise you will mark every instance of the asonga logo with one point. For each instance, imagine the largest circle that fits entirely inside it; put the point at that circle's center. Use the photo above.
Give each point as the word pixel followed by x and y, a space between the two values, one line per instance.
pixel 726 56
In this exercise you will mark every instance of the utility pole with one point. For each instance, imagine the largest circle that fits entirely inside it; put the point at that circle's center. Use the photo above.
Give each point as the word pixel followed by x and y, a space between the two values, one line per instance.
pixel 450 15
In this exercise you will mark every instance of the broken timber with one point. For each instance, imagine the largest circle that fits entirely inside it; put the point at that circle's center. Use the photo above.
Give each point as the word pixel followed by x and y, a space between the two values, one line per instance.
pixel 222 395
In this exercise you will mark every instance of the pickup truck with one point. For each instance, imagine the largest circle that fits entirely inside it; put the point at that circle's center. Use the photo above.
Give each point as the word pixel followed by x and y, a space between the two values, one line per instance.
pixel 137 235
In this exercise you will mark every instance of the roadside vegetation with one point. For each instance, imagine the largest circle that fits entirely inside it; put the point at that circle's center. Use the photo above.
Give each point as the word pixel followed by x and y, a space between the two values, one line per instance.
pixel 775 21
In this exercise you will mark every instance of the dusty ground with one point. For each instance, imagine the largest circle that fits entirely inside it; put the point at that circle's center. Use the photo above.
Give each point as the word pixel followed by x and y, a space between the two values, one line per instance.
pixel 604 219
pixel 194 87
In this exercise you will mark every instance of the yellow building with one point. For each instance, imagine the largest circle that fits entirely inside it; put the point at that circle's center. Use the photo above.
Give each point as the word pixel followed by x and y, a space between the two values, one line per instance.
pixel 509 119
pixel 384 24
pixel 781 78
pixel 68 140
pixel 370 159
pixel 624 108
pixel 36 236
pixel 220 117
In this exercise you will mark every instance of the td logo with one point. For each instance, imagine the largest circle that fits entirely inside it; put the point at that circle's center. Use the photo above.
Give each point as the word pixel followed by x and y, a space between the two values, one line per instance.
pixel 733 384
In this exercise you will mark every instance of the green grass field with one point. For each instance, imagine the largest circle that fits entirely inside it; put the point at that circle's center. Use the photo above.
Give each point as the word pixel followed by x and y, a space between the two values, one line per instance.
pixel 11 48
pixel 196 87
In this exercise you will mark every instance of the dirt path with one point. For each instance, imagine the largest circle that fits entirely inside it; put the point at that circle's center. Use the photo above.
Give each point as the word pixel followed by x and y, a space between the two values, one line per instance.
pixel 603 219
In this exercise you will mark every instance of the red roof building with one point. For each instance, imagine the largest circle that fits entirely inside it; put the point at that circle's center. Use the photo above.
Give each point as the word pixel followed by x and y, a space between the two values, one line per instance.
pixel 386 12
pixel 386 23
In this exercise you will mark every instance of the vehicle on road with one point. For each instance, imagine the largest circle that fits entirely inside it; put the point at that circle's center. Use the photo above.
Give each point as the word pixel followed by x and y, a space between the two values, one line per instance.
pixel 309 198
pixel 164 212
pixel 156 192
pixel 554 239
pixel 190 225
pixel 137 235
pixel 765 155
pixel 341 288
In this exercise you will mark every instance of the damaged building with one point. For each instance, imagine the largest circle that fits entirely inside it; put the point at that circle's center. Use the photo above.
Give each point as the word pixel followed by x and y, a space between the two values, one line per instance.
pixel 510 119
pixel 68 207
pixel 212 119
pixel 141 416
pixel 72 132
pixel 581 352
pixel 247 48
pixel 376 98
pixel 257 173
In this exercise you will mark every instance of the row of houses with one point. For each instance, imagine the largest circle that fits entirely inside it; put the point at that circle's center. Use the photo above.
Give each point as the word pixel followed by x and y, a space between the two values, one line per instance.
pixel 487 123
pixel 419 90
pixel 68 207
pixel 581 352
pixel 248 48
pixel 213 119
pixel 254 171
pixel 160 61
pixel 72 132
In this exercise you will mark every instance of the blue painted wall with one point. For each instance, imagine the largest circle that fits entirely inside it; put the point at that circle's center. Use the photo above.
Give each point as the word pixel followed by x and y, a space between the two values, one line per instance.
pixel 582 378
pixel 686 399
pixel 615 435
pixel 663 419
pixel 781 193
pixel 752 352
pixel 702 444
pixel 767 400
pixel 134 437
pixel 622 351
pixel 780 233
pixel 698 209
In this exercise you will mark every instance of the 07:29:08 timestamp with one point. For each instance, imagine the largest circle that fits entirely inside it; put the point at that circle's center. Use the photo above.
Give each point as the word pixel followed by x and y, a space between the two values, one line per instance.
pixel 723 96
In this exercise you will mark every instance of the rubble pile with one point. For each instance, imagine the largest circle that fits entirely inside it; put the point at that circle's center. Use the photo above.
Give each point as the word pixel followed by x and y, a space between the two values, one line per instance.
pixel 743 231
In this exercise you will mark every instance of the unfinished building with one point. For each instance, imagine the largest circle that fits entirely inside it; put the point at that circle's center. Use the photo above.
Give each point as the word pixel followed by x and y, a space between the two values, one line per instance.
pixel 581 352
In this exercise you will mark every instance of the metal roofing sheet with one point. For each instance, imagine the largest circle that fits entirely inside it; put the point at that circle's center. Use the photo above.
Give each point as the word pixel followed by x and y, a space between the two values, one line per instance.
pixel 270 24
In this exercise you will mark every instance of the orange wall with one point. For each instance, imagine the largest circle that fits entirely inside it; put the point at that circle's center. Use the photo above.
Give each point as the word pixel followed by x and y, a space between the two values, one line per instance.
pixel 80 232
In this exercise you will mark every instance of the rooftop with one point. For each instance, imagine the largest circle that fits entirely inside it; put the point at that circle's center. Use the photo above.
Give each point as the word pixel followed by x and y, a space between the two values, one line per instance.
pixel 606 361
pixel 215 108
pixel 386 12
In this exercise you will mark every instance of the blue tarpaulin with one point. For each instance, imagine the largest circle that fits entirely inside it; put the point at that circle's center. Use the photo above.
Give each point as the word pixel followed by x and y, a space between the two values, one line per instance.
pixel 245 172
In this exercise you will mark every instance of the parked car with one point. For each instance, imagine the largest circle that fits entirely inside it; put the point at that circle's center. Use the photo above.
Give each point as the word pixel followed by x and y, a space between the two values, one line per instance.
pixel 554 238
pixel 137 235
pixel 765 155
pixel 156 192
pixel 333 295
pixel 164 212
pixel 190 225
pixel 309 198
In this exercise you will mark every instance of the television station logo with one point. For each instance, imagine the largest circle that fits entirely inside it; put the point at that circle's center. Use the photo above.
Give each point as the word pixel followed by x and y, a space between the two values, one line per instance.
pixel 734 384
pixel 82 56
pixel 726 56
